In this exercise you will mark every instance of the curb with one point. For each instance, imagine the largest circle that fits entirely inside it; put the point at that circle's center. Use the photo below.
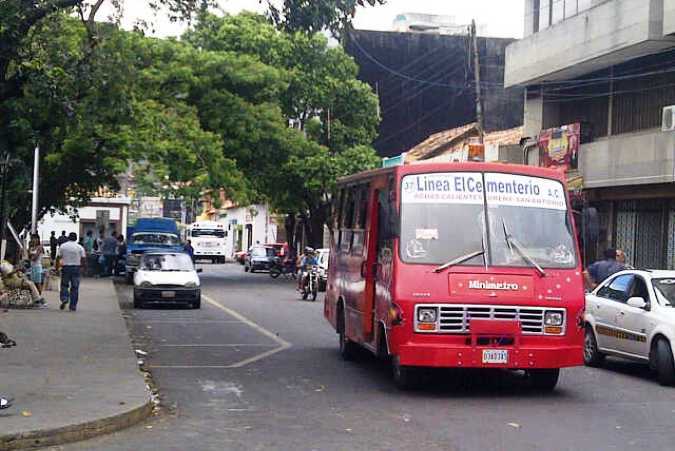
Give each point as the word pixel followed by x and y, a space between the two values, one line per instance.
pixel 75 432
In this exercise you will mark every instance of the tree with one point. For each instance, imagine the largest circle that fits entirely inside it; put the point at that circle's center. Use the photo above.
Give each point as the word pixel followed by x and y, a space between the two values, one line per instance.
pixel 335 112
pixel 316 15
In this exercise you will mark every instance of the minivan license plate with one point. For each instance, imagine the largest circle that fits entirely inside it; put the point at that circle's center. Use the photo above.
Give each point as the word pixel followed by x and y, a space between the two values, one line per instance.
pixel 172 294
pixel 495 356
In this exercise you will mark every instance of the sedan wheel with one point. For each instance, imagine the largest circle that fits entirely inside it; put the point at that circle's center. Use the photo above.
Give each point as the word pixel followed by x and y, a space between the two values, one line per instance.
pixel 592 357
pixel 665 368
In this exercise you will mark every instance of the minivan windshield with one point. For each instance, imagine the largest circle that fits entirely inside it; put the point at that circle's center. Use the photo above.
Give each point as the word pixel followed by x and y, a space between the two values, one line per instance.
pixel 167 262
pixel 514 218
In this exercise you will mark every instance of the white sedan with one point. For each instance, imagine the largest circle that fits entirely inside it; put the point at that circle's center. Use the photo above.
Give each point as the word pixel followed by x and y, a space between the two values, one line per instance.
pixel 632 315
pixel 166 277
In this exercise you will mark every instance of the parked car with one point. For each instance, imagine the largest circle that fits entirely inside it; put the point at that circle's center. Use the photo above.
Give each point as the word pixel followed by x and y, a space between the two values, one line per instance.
pixel 240 257
pixel 259 258
pixel 150 234
pixel 632 315
pixel 323 255
pixel 166 277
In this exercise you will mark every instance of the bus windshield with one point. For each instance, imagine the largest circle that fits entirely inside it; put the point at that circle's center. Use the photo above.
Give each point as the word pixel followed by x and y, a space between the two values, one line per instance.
pixel 513 218
pixel 216 233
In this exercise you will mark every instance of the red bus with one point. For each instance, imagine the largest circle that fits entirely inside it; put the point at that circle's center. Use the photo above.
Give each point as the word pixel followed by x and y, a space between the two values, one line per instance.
pixel 464 265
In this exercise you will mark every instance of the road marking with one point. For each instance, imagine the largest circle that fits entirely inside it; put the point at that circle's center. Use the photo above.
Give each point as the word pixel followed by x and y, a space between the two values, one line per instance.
pixel 218 346
pixel 283 344
pixel 175 321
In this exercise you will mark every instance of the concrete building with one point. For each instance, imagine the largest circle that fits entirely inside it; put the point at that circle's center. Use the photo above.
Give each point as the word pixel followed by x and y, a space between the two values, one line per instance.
pixel 431 23
pixel 247 226
pixel 111 213
pixel 598 75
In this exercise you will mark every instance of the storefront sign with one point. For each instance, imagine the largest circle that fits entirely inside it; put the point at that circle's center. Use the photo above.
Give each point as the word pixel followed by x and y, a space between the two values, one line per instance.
pixel 559 147
pixel 468 188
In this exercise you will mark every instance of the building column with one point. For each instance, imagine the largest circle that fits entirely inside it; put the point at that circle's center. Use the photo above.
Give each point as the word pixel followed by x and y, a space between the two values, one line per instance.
pixel 533 119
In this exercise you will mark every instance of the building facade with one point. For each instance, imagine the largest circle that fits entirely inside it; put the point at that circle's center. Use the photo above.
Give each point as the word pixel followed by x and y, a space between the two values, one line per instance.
pixel 425 83
pixel 607 67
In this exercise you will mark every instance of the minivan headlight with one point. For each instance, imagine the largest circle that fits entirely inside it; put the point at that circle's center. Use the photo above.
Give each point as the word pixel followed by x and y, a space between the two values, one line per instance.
pixel 191 285
pixel 146 284
pixel 553 318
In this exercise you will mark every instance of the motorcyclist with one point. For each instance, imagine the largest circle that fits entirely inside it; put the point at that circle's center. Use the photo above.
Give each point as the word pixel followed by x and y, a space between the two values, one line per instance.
pixel 306 262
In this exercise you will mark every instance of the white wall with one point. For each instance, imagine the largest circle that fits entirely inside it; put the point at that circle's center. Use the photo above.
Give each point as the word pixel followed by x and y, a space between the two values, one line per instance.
pixel 263 230
pixel 629 159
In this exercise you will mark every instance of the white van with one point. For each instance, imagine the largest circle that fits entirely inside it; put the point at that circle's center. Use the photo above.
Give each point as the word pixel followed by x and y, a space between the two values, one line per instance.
pixel 208 240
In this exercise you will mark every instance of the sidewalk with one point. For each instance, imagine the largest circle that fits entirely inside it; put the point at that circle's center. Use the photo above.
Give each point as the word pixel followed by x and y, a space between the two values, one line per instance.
pixel 74 375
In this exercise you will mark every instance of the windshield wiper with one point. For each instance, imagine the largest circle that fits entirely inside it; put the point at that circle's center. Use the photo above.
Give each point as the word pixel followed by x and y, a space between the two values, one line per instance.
pixel 460 260
pixel 514 244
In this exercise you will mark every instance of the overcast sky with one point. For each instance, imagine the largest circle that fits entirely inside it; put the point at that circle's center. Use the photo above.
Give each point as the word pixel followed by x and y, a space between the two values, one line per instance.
pixel 503 18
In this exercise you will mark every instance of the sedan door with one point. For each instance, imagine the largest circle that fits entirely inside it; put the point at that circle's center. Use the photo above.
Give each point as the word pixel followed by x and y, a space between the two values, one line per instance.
pixel 607 303
pixel 634 322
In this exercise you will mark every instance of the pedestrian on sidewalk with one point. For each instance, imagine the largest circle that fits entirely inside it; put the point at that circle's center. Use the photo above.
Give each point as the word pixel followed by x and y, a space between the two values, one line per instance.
pixel 62 239
pixel 53 243
pixel 70 257
pixel 16 280
pixel 35 253
pixel 121 253
pixel 109 251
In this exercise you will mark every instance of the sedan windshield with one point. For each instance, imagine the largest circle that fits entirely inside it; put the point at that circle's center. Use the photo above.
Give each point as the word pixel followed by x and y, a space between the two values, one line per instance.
pixel 167 262
pixel 162 239
pixel 665 289
pixel 526 222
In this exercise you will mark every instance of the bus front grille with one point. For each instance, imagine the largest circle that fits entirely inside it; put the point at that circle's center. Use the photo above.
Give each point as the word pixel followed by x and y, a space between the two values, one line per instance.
pixel 457 318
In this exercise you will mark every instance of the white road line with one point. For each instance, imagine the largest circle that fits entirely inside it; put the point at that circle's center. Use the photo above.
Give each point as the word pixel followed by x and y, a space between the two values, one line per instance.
pixel 177 321
pixel 283 344
pixel 242 345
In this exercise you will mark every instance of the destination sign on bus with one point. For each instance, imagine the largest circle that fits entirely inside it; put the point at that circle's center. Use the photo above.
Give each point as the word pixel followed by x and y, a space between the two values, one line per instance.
pixel 469 188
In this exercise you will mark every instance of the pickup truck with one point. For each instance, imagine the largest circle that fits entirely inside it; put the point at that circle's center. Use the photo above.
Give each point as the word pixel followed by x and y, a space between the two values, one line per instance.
pixel 150 234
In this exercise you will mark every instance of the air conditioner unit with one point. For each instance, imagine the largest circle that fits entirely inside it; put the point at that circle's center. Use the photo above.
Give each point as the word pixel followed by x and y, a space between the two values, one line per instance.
pixel 668 121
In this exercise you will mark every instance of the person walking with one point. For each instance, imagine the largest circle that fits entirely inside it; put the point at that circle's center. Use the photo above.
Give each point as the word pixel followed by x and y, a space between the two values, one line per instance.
pixel 35 253
pixel 121 253
pixel 53 243
pixel 62 239
pixel 188 249
pixel 70 258
pixel 109 251
pixel 602 269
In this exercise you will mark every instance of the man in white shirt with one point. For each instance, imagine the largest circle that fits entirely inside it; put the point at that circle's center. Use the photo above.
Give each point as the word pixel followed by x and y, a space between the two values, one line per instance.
pixel 70 257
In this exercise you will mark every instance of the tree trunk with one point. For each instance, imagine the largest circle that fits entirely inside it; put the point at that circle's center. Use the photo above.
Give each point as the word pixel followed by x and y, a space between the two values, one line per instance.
pixel 289 224
pixel 315 226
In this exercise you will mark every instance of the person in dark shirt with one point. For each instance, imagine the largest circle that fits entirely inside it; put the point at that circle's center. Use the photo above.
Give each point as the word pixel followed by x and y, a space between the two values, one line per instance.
pixel 53 243
pixel 188 249
pixel 602 269
pixel 62 239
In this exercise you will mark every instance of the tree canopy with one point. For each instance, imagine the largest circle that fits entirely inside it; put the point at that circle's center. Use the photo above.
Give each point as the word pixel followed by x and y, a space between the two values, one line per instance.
pixel 209 112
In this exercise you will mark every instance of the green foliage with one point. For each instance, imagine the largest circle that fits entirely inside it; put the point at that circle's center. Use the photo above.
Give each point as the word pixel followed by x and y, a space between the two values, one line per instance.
pixel 317 15
pixel 337 113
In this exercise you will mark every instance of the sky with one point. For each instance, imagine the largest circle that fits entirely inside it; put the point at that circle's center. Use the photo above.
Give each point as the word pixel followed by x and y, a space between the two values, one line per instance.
pixel 503 18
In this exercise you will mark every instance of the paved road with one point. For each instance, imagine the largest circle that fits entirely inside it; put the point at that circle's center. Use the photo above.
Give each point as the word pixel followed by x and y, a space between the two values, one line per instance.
pixel 256 368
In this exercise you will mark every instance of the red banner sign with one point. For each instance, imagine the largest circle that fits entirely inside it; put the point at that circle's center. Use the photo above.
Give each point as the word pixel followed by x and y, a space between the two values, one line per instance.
pixel 559 147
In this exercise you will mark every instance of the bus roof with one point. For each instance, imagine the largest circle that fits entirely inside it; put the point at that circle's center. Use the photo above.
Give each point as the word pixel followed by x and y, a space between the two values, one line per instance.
pixel 417 168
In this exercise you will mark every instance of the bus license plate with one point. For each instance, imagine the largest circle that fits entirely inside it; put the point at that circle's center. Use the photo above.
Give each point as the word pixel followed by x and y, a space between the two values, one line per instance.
pixel 168 294
pixel 495 356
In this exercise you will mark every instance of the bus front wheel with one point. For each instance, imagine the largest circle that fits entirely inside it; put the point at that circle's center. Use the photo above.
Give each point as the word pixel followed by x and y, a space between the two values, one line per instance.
pixel 405 377
pixel 347 347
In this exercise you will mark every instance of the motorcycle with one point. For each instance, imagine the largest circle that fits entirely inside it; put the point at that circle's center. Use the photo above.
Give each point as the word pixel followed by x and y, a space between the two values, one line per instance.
pixel 285 268
pixel 310 286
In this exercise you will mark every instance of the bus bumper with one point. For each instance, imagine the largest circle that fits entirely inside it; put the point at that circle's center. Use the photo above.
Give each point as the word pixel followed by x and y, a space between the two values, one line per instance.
pixel 521 357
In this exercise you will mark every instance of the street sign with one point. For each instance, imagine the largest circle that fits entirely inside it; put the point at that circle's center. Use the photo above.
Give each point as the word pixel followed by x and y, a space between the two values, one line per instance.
pixel 394 161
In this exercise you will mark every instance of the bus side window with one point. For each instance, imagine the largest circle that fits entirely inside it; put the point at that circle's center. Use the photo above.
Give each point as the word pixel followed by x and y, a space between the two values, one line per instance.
pixel 358 237
pixel 348 220
pixel 336 220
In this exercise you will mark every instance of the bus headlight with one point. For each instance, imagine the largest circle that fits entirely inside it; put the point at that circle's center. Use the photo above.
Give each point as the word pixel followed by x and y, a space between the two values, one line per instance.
pixel 427 314
pixel 553 318
pixel 191 285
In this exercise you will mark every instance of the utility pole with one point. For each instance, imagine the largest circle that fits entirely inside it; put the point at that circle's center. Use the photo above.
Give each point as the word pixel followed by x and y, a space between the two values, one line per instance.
pixel 3 189
pixel 36 183
pixel 476 69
